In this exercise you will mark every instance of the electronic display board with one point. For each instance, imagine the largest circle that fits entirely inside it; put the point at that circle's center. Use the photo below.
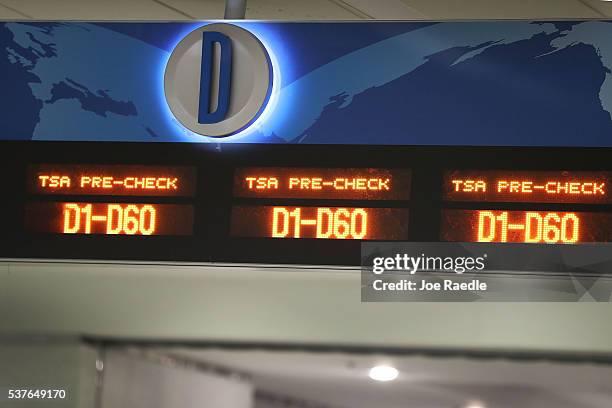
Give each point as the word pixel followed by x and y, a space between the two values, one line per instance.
pixel 304 161
pixel 530 193
pixel 292 204
pixel 346 219
pixel 324 183
pixel 109 218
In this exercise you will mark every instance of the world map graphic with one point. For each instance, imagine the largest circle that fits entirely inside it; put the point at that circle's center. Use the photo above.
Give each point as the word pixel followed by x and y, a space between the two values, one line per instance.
pixel 481 83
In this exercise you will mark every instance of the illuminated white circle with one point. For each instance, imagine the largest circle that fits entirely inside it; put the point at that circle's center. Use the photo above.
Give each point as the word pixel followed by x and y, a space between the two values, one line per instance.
pixel 250 86
pixel 383 373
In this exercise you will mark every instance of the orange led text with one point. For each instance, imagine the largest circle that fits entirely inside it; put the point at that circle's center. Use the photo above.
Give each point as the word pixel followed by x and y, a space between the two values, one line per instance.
pixel 326 223
pixel 129 219
pixel 549 187
pixel 529 227
pixel 318 183
pixel 105 182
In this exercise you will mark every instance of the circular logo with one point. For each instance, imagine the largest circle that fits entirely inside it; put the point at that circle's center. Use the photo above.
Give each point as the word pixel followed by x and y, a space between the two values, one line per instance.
pixel 218 80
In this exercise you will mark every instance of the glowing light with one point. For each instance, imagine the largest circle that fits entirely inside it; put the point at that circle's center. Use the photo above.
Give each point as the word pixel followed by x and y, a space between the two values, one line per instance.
pixel 246 135
pixel 280 65
pixel 526 186
pixel 54 181
pixel 287 182
pixel 551 187
pixel 537 227
pixel 270 107
pixel 549 228
pixel 111 180
pixel 383 373
pixel 338 223
pixel 261 182
pixel 141 219
pixel 318 183
pixel 127 219
pixel 529 187
pixel 469 186
pixel 178 132
pixel 341 223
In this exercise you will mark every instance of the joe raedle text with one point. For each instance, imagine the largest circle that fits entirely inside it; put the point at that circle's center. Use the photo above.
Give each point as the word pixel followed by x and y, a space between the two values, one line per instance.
pixel 424 285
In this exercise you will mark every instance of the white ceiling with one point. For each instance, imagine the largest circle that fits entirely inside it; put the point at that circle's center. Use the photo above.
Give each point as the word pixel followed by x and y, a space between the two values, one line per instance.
pixel 340 380
pixel 304 9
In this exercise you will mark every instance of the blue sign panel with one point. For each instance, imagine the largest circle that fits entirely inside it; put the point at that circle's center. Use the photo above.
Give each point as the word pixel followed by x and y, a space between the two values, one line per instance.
pixel 514 83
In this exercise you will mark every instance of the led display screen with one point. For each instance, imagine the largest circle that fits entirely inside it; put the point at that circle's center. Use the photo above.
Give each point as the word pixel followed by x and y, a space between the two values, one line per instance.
pixel 320 222
pixel 109 218
pixel 322 183
pixel 528 186
pixel 116 180
pixel 538 227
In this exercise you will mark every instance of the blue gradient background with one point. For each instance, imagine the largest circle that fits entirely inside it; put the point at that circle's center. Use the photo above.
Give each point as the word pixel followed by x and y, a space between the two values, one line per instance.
pixel 507 83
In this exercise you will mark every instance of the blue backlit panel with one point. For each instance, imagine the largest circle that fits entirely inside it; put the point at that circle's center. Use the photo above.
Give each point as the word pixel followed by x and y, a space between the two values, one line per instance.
pixel 513 83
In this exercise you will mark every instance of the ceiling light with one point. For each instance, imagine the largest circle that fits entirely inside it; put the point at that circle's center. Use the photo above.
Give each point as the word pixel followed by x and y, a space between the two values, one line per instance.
pixel 475 404
pixel 383 373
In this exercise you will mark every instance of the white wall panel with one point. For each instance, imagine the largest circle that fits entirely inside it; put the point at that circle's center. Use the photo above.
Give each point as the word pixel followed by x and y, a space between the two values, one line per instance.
pixel 94 9
pixel 502 9
pixel 199 9
pixel 387 9
pixel 299 9
pixel 604 7
pixel 47 364
pixel 304 10
pixel 278 305
pixel 8 13
pixel 134 382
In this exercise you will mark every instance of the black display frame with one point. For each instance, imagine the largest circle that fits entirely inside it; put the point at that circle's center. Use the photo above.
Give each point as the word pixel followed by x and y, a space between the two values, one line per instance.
pixel 213 200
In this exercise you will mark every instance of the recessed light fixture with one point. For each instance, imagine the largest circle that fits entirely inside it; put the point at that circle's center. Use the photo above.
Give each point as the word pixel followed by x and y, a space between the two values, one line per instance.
pixel 475 404
pixel 383 373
